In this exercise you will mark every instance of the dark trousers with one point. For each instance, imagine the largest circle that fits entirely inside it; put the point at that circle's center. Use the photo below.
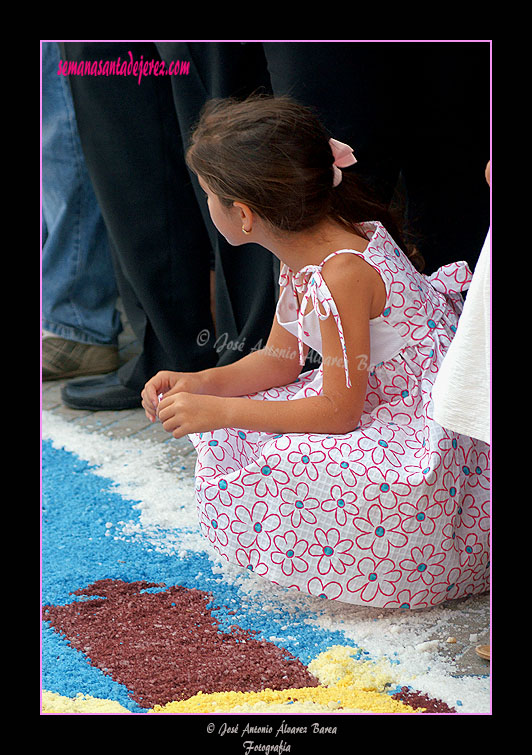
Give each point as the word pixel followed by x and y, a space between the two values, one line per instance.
pixel 163 242
pixel 418 118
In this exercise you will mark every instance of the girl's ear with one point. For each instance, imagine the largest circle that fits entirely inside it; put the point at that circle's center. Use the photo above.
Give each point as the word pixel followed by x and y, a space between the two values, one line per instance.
pixel 246 215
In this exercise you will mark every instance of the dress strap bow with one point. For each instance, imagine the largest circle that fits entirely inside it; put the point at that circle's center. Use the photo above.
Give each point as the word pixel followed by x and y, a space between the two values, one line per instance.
pixel 310 281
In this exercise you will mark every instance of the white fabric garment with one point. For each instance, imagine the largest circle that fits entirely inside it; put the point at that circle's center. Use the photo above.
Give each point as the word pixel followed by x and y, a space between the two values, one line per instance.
pixel 394 513
pixel 385 342
pixel 461 393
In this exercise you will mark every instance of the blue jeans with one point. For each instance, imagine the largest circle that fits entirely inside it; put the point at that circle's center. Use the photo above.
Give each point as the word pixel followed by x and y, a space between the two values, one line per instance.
pixel 79 290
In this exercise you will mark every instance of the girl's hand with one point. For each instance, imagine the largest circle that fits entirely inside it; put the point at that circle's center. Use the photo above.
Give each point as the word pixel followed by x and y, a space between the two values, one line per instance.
pixel 183 413
pixel 168 383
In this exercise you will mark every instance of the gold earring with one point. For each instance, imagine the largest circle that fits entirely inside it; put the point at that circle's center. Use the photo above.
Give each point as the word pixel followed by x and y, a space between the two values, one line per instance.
pixel 244 231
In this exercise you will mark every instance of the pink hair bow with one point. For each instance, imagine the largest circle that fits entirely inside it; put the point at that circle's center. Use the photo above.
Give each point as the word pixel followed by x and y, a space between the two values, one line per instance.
pixel 343 157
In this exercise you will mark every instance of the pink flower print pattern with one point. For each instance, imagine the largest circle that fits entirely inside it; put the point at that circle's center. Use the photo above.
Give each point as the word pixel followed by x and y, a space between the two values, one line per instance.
pixel 209 474
pixel 451 586
pixel 245 443
pixel 384 486
pixel 406 599
pixel 373 578
pixel 393 411
pixel 306 462
pixel 470 549
pixel 428 358
pixel 327 442
pixel 452 278
pixel 422 474
pixel 447 495
pixel 214 525
pixel 341 503
pixel 382 448
pixel 449 541
pixel 395 297
pixel 401 390
pixel 484 521
pixel 251 560
pixel 288 553
pixel 253 527
pixel 482 567
pixel 380 532
pixel 298 505
pixel 421 516
pixel 424 564
pixel 447 447
pixel 418 445
pixel 215 445
pixel 468 513
pixel 267 478
pixel 342 464
pixel 477 472
pixel 224 490
pixel 330 590
pixel 393 514
pixel 419 324
pixel 332 552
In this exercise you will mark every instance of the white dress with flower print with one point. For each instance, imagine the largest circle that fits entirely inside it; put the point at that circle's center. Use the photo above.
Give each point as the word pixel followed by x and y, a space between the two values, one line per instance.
pixel 394 514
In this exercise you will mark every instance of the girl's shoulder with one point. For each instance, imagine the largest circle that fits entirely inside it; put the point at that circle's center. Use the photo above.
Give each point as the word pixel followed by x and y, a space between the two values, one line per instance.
pixel 353 248
pixel 348 266
pixel 349 277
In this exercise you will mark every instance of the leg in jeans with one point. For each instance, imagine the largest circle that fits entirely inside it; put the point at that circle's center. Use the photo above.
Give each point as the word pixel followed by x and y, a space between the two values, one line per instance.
pixel 78 285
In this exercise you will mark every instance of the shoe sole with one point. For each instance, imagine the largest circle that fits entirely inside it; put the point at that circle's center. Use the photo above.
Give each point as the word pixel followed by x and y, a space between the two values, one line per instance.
pixel 109 408
pixel 77 373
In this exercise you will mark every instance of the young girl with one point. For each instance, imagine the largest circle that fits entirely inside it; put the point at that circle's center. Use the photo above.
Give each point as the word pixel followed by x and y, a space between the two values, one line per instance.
pixel 337 481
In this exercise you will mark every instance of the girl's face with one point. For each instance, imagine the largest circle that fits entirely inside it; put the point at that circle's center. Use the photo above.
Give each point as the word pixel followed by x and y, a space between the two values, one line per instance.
pixel 226 219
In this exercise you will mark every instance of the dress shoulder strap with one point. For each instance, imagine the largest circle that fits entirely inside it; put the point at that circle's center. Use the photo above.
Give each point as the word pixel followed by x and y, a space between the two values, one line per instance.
pixel 340 251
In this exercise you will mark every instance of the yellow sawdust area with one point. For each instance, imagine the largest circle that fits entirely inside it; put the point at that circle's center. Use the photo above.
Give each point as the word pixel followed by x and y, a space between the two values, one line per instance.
pixel 290 700
pixel 54 703
pixel 347 684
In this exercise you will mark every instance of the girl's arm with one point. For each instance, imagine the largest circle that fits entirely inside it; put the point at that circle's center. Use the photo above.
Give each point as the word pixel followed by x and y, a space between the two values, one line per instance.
pixel 337 410
pixel 274 365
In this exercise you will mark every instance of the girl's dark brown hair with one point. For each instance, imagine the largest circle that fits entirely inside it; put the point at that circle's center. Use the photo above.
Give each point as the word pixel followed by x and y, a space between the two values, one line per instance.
pixel 273 154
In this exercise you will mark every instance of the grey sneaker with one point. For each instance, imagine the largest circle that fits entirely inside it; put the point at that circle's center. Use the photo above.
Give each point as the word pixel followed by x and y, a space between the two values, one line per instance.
pixel 62 358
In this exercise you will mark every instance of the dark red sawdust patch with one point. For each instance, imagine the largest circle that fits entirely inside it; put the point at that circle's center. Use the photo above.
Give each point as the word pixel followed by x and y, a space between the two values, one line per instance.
pixel 418 699
pixel 166 645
